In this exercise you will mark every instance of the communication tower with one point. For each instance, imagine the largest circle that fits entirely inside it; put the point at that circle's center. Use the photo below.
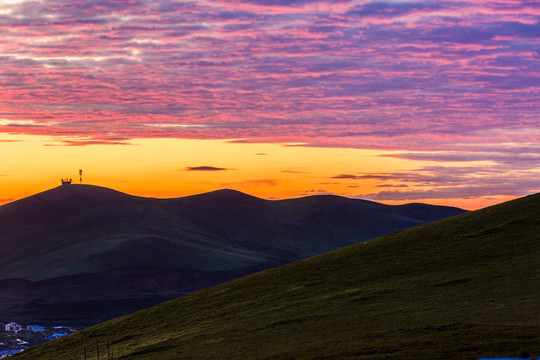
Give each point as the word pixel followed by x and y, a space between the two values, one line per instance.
pixel 80 176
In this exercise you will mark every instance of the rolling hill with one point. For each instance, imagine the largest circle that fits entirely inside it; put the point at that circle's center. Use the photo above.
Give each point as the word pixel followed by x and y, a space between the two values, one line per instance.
pixel 460 288
pixel 81 254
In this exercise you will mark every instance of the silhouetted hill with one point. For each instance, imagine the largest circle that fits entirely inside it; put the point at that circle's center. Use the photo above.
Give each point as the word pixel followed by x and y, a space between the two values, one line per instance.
pixel 459 288
pixel 77 244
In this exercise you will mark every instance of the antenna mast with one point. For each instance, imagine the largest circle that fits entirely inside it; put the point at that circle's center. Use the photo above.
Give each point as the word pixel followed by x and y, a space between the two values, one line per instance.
pixel 80 176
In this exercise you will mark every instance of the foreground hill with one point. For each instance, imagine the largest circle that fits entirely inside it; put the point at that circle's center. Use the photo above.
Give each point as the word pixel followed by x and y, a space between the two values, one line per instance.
pixel 81 254
pixel 460 288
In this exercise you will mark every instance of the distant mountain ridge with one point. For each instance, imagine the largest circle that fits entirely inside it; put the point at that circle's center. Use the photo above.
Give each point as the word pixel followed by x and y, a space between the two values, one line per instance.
pixel 138 248
pixel 459 288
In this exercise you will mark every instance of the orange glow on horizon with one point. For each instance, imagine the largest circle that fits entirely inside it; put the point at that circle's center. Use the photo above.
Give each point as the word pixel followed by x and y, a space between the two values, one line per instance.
pixel 165 168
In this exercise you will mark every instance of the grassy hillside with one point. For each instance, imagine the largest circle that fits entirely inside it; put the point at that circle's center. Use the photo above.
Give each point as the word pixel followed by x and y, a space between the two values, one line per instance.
pixel 460 288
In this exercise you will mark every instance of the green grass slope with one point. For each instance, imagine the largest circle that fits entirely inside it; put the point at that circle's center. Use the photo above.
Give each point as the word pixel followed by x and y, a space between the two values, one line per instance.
pixel 460 288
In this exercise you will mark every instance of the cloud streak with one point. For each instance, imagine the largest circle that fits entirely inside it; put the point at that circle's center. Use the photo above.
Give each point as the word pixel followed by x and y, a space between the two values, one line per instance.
pixel 204 168
pixel 450 182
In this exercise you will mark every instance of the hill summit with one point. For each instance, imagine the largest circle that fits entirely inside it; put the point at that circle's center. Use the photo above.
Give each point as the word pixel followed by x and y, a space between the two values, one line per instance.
pixel 459 288
pixel 86 253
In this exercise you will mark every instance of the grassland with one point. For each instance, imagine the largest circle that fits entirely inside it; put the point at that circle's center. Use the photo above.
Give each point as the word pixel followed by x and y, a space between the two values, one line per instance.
pixel 460 288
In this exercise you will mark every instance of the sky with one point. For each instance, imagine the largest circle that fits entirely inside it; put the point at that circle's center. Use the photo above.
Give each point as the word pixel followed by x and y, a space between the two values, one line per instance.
pixel 391 101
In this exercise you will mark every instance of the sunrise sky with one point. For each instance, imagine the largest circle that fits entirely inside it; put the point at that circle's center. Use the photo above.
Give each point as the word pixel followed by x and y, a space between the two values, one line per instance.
pixel 392 101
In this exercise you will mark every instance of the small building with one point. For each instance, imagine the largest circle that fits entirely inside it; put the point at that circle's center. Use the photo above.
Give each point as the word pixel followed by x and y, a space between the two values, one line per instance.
pixel 13 327
pixel 55 336
pixel 35 328
pixel 7 353
pixel 63 329
pixel 66 181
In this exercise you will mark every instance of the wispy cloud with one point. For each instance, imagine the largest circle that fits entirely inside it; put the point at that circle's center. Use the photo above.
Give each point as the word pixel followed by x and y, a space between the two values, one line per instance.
pixel 350 176
pixel 248 184
pixel 204 168
pixel 82 142
pixel 451 182
pixel 292 172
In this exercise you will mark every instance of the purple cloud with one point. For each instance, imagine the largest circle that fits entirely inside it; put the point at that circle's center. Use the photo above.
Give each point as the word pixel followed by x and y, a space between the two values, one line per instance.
pixel 204 168
pixel 521 156
pixel 391 9
pixel 349 176
pixel 291 2
pixel 449 182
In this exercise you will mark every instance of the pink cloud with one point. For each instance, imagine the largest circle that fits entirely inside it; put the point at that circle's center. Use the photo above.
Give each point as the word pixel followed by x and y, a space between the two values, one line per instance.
pixel 414 76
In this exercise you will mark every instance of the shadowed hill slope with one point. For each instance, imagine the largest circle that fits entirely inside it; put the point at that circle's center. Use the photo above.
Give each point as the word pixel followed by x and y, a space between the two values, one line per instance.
pixel 80 228
pixel 459 288
pixel 74 247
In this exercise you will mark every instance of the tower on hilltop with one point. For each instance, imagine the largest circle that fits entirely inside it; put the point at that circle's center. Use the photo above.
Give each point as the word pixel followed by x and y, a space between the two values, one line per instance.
pixel 69 181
